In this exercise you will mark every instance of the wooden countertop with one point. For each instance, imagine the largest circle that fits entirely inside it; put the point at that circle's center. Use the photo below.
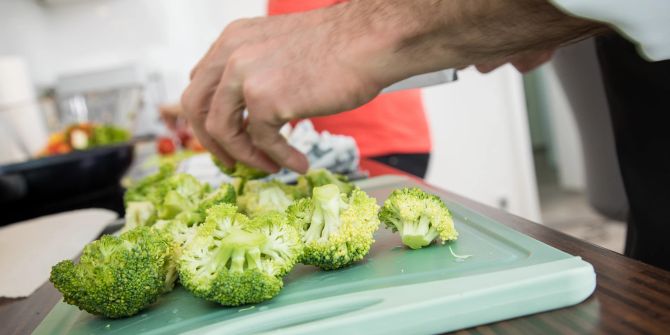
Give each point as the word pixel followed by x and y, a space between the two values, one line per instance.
pixel 630 297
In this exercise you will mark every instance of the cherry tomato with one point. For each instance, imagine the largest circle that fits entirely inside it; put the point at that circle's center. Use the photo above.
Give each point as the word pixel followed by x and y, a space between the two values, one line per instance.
pixel 165 146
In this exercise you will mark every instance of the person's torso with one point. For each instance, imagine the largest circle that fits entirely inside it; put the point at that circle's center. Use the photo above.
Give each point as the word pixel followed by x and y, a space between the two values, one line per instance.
pixel 390 123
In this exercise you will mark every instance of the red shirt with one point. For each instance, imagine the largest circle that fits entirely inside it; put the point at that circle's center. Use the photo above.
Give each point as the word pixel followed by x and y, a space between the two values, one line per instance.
pixel 392 123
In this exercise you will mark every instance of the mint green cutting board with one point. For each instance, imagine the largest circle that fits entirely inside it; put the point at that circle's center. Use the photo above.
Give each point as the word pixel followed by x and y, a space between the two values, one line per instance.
pixel 393 291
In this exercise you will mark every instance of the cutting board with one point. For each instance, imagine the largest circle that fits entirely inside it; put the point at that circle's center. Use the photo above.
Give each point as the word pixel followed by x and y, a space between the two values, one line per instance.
pixel 394 290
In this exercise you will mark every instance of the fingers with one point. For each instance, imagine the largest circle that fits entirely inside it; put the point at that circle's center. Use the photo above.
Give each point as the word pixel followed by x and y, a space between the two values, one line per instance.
pixel 195 101
pixel 211 145
pixel 225 123
pixel 266 135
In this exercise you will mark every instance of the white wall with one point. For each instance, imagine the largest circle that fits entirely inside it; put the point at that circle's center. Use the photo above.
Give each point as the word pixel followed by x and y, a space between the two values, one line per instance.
pixel 166 36
pixel 482 149
pixel 481 140
pixel 565 137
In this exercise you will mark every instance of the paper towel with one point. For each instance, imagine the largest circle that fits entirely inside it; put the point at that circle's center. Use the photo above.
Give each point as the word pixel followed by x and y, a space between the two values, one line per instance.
pixel 30 248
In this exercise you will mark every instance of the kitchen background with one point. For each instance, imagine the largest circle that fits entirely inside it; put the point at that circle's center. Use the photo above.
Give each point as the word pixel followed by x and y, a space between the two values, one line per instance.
pixel 504 139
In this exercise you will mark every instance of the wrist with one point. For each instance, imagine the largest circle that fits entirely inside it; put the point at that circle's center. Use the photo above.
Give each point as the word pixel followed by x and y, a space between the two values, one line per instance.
pixel 399 38
pixel 366 35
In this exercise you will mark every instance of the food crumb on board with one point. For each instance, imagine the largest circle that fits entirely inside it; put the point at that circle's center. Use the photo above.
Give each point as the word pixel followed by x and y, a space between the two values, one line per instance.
pixel 246 309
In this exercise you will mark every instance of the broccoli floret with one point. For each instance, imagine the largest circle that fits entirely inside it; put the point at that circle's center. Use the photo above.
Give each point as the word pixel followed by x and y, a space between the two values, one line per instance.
pixel 260 197
pixel 338 228
pixel 148 189
pixel 139 214
pixel 419 217
pixel 183 193
pixel 240 170
pixel 233 260
pixel 320 177
pixel 178 195
pixel 224 194
pixel 118 276
pixel 180 230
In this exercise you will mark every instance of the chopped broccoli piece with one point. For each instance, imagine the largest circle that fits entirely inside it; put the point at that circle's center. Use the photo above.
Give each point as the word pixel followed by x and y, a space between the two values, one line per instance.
pixel 419 217
pixel 183 193
pixel 150 188
pixel 240 170
pixel 224 194
pixel 181 232
pixel 320 177
pixel 118 276
pixel 238 185
pixel 177 195
pixel 338 227
pixel 260 197
pixel 139 214
pixel 233 260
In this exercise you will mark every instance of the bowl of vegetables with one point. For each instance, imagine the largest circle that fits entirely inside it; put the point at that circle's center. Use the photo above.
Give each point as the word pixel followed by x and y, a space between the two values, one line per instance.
pixel 77 167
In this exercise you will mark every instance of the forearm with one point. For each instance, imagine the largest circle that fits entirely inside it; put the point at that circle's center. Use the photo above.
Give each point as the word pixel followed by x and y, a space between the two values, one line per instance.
pixel 426 35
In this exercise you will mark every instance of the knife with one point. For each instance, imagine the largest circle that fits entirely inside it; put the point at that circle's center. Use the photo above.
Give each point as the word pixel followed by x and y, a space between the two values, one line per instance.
pixel 424 80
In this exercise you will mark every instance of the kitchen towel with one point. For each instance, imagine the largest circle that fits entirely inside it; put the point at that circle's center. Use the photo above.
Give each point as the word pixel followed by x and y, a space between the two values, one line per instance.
pixel 30 248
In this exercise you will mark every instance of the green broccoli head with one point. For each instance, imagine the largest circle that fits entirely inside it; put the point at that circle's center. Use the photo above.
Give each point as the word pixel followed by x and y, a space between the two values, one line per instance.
pixel 224 194
pixel 338 227
pixel 233 260
pixel 260 197
pixel 118 276
pixel 150 188
pixel 183 193
pixel 180 230
pixel 320 177
pixel 177 195
pixel 419 217
pixel 240 170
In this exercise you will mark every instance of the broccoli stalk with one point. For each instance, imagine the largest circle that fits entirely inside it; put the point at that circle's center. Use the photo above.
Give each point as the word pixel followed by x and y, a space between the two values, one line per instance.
pixel 419 217
pixel 338 228
pixel 326 214
pixel 320 177
pixel 240 251
pixel 417 234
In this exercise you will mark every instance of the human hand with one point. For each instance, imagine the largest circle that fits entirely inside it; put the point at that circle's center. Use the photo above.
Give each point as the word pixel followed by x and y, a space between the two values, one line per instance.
pixel 334 59
pixel 278 69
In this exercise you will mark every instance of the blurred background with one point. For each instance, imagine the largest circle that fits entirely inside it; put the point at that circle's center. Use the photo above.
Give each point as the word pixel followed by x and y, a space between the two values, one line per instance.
pixel 505 139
